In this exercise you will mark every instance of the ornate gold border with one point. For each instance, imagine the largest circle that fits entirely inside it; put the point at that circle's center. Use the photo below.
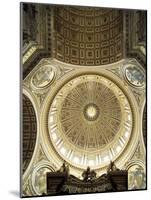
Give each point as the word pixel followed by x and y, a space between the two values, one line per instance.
pixel 46 143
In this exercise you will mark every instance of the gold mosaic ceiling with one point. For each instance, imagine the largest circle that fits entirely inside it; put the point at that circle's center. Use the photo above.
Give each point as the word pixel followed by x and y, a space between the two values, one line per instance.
pixel 90 121
pixel 90 115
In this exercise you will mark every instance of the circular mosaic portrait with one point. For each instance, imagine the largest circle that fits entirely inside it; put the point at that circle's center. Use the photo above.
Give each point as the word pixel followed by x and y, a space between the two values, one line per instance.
pixel 136 178
pixel 43 77
pixel 135 75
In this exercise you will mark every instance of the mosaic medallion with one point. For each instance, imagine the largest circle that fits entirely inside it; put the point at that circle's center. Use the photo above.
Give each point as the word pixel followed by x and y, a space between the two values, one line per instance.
pixel 135 75
pixel 43 77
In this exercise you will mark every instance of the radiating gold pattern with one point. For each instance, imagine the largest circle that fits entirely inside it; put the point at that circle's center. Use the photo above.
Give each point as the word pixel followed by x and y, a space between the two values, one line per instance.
pixel 93 111
pixel 84 73
pixel 90 120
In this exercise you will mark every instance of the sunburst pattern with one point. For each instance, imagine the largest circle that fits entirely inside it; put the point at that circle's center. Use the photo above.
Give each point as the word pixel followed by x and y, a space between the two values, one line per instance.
pixel 90 115
pixel 90 120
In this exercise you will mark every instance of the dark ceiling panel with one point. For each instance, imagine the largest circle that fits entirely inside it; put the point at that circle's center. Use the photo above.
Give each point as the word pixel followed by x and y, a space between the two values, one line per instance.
pixel 29 131
pixel 88 36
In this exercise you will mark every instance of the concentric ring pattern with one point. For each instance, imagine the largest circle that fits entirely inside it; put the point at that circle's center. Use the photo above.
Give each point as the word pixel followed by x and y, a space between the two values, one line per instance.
pixel 90 115
pixel 90 121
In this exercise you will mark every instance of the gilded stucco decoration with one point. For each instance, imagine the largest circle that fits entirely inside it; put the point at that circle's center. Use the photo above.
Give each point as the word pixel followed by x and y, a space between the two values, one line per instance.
pixel 79 103
pixel 38 178
pixel 43 77
pixel 81 125
pixel 84 93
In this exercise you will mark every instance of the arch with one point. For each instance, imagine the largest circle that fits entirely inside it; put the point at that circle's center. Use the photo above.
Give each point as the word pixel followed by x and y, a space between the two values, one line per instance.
pixel 29 132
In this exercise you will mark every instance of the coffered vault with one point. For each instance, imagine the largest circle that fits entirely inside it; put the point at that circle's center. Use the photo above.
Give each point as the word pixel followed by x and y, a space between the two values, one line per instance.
pixel 83 90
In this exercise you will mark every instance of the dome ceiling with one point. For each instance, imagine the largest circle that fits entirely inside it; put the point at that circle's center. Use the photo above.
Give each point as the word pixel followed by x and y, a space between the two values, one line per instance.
pixel 83 90
pixel 90 121
pixel 93 111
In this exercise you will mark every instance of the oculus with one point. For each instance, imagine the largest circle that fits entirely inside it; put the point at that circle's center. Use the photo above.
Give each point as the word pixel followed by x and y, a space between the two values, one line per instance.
pixel 91 111
pixel 90 121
